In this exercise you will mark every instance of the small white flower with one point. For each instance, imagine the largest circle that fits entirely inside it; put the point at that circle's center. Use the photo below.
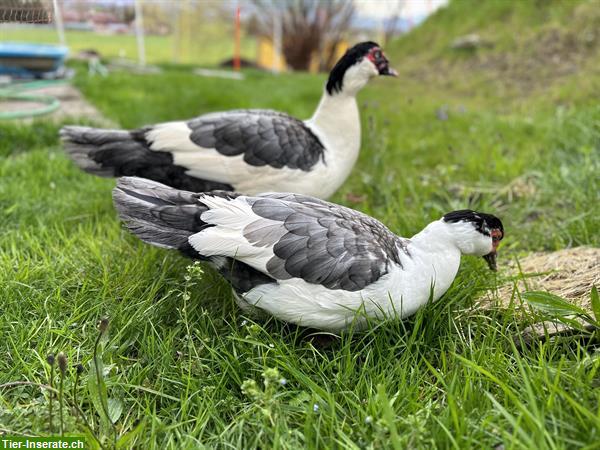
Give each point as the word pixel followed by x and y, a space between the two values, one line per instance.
pixel 244 323
pixel 315 407
pixel 368 419
pixel 283 382
pixel 271 346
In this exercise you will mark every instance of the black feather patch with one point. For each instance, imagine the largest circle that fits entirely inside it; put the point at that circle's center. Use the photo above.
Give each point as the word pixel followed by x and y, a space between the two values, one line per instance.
pixel 241 276
pixel 483 222
pixel 116 153
pixel 351 57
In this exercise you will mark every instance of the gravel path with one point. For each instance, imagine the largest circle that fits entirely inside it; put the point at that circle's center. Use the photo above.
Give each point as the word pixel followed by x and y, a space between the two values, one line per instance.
pixel 72 106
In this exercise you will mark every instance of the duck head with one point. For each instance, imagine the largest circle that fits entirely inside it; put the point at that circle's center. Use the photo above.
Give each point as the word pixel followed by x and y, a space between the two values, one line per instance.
pixel 358 65
pixel 476 233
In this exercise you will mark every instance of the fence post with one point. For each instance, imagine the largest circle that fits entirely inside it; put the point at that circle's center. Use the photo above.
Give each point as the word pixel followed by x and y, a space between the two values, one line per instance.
pixel 60 28
pixel 277 35
pixel 176 32
pixel 139 32
pixel 236 50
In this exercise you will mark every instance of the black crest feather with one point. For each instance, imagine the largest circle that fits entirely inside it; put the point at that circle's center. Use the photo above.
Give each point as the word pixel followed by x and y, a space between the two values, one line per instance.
pixel 483 222
pixel 351 57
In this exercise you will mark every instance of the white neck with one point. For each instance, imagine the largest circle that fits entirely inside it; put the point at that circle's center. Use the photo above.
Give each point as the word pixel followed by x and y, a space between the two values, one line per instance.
pixel 434 247
pixel 336 114
pixel 336 120
pixel 459 236
pixel 435 237
pixel 336 123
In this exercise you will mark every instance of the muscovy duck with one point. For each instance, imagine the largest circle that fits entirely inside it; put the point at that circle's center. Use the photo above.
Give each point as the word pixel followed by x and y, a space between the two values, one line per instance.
pixel 305 260
pixel 249 151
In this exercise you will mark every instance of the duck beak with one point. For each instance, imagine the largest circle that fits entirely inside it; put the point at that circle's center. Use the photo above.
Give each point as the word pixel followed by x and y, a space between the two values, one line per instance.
pixel 490 258
pixel 388 71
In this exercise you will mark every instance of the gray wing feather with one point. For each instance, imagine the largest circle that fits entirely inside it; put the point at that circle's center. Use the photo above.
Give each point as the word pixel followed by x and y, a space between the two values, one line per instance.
pixel 324 243
pixel 276 268
pixel 261 235
pixel 263 137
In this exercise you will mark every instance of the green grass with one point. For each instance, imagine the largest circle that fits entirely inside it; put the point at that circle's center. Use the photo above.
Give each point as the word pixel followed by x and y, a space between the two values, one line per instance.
pixel 189 370
pixel 548 50
pixel 213 45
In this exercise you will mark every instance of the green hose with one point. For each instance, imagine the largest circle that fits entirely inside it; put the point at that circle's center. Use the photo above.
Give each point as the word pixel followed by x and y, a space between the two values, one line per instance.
pixel 15 92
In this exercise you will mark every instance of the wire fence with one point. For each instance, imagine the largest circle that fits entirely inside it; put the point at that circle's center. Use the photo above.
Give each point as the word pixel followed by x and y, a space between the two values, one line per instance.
pixel 196 32
pixel 19 12
pixel 148 31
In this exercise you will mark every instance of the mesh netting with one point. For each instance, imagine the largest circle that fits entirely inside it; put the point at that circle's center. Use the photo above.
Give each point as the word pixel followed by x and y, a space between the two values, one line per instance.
pixel 26 11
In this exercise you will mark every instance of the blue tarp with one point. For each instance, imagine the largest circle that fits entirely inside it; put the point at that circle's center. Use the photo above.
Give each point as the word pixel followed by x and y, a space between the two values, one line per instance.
pixel 27 59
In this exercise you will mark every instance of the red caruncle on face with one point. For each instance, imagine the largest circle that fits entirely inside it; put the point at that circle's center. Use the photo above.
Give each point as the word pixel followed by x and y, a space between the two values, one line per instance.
pixel 497 236
pixel 377 57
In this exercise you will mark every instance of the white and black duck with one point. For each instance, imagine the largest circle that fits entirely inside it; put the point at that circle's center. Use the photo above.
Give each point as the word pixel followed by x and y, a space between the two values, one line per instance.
pixel 305 260
pixel 248 151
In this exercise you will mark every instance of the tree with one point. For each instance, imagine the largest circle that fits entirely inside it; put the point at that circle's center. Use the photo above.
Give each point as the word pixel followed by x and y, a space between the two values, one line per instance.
pixel 308 27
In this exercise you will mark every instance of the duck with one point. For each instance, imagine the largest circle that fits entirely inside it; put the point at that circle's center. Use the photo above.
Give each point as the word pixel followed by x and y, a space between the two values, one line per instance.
pixel 304 260
pixel 246 150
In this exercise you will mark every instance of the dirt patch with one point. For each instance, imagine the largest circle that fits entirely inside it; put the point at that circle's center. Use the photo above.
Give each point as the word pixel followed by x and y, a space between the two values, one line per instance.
pixel 569 273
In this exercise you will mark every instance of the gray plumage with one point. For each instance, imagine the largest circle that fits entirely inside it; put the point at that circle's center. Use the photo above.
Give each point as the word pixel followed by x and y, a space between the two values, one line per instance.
pixel 327 244
pixel 264 137
pixel 317 241
pixel 157 214
pixel 167 217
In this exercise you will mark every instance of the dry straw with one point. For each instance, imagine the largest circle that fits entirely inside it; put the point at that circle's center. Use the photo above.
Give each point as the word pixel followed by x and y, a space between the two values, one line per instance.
pixel 570 273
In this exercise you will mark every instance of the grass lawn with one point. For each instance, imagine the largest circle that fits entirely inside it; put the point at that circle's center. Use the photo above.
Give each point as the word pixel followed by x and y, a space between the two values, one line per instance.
pixel 183 368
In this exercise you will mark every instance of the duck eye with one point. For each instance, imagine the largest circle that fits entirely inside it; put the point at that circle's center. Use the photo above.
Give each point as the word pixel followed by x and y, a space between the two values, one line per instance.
pixel 377 54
